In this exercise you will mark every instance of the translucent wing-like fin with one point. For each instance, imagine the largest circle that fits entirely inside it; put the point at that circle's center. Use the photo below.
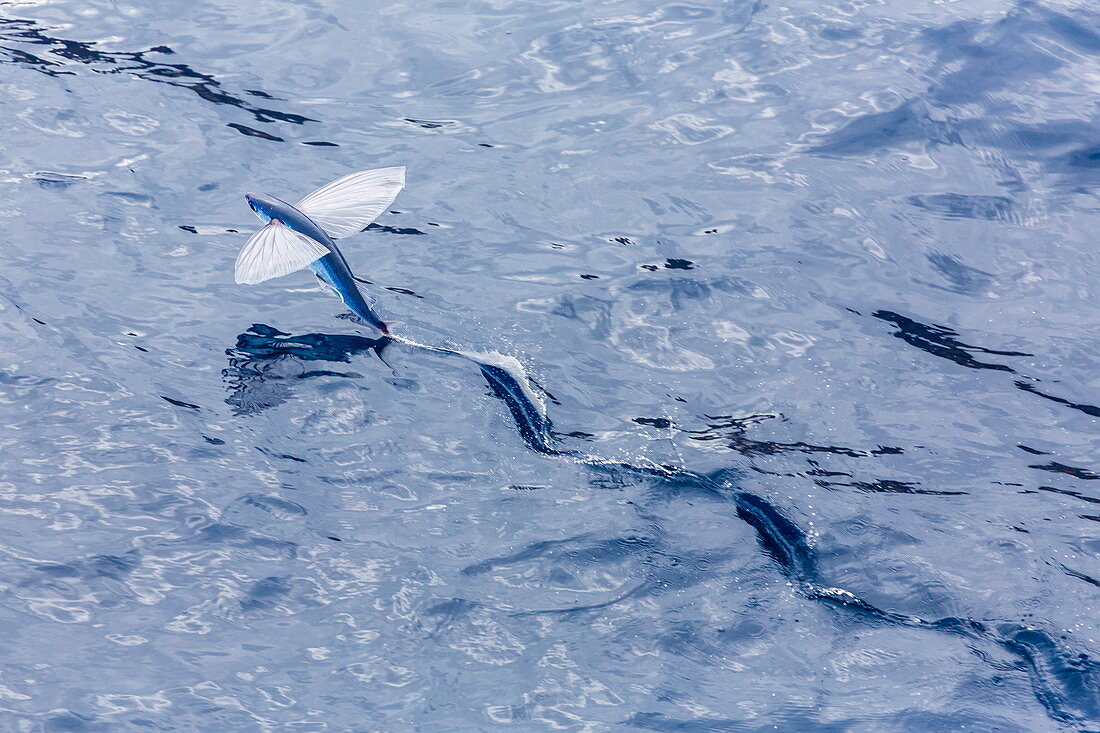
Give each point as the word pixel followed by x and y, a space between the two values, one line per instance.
pixel 349 204
pixel 274 251
pixel 371 298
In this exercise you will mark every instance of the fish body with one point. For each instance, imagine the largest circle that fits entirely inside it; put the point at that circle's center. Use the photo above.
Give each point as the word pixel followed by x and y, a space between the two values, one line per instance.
pixel 268 208
pixel 302 235
pixel 332 268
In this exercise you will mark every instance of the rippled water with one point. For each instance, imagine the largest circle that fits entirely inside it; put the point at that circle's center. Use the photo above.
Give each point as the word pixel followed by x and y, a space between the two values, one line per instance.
pixel 809 288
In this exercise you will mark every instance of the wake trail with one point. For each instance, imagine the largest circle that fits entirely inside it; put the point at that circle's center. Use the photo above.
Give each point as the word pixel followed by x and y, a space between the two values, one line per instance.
pixel 1067 685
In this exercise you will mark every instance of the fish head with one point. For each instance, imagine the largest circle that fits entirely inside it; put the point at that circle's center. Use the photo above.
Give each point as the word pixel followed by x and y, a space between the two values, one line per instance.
pixel 262 205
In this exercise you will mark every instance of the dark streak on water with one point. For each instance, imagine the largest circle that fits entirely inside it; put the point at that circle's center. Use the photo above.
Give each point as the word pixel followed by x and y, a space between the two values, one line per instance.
pixel 57 51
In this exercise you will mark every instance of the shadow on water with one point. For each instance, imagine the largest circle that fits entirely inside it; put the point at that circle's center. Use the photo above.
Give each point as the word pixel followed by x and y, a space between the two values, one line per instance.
pixel 1066 684
pixel 266 362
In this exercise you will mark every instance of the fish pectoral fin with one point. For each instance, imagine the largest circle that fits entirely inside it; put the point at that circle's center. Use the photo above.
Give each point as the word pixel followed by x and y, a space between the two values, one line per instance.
pixel 371 298
pixel 349 204
pixel 274 251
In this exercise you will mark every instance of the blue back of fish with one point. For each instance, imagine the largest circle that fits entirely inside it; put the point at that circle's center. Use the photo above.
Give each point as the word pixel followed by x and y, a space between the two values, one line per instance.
pixel 333 269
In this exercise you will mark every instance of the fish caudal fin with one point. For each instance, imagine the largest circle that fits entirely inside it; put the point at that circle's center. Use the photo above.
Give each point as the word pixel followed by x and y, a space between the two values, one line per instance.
pixel 274 251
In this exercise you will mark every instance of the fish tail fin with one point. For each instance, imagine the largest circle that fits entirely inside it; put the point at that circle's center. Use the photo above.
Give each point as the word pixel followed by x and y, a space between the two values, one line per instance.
pixel 367 313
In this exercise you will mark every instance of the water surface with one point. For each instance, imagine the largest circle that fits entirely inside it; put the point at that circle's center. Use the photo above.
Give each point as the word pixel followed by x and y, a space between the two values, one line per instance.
pixel 809 291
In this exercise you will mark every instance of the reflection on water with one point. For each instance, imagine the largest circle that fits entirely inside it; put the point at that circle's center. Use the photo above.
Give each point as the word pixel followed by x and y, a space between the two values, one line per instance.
pixel 263 366
pixel 759 389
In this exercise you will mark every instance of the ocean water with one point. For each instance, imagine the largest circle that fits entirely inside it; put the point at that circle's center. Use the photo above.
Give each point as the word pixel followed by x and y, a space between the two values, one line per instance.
pixel 808 289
